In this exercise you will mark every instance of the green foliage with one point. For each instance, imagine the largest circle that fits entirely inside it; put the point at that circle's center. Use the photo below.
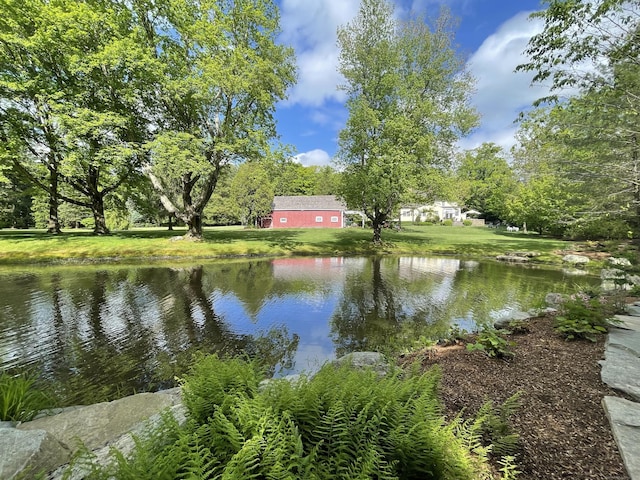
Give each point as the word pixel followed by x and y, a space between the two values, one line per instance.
pixel 20 399
pixel 447 223
pixel 341 424
pixel 467 223
pixel 599 229
pixel 495 426
pixel 485 180
pixel 584 316
pixel 492 342
pixel 407 96
pixel 253 192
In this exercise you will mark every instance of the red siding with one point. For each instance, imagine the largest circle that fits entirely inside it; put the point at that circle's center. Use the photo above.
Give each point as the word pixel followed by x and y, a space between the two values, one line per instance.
pixel 306 219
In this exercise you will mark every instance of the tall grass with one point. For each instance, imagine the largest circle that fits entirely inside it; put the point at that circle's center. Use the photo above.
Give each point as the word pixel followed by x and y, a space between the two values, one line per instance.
pixel 20 399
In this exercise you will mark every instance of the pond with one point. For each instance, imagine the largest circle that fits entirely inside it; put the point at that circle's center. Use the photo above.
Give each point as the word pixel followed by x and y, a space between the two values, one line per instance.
pixel 95 333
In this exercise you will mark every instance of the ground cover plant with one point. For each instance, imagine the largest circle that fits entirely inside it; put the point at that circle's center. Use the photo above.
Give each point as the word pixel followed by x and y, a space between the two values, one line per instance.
pixel 24 246
pixel 341 424
pixel 20 399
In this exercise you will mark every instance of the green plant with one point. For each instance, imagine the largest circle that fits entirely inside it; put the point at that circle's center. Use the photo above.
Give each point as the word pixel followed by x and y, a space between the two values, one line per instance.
pixel 447 223
pixel 584 316
pixel 341 424
pixel 495 426
pixel 20 400
pixel 492 342
pixel 518 326
pixel 467 223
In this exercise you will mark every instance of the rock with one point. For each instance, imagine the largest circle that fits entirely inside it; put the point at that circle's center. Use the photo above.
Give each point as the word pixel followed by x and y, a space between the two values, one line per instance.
pixel 575 259
pixel 373 360
pixel 633 310
pixel 612 273
pixel 25 454
pixel 518 316
pixel 622 351
pixel 525 254
pixel 554 300
pixel 512 258
pixel 96 425
pixel 574 272
pixel 125 444
pixel 624 417
pixel 294 378
pixel 619 262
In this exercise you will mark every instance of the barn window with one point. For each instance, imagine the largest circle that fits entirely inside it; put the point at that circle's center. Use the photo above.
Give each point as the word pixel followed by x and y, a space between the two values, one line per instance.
pixel 318 219
pixel 283 219
pixel 334 219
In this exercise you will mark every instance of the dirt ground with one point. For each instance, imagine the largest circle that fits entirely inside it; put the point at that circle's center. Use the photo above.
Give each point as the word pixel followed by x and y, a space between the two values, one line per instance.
pixel 564 432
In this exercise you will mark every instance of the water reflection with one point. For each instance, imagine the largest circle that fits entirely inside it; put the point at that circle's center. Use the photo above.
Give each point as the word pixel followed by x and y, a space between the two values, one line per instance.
pixel 96 333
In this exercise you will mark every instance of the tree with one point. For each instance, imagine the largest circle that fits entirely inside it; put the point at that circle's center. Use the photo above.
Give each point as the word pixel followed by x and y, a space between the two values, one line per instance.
pixel 69 73
pixel 407 96
pixel 253 192
pixel 221 75
pixel 593 47
pixel 485 180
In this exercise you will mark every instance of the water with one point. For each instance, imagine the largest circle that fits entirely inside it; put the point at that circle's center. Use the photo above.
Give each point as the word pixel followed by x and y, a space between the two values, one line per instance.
pixel 95 333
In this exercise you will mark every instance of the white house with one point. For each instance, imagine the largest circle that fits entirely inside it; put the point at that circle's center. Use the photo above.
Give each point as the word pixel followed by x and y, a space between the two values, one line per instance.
pixel 437 211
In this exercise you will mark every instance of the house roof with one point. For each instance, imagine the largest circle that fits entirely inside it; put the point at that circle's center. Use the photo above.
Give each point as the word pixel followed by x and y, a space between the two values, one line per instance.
pixel 313 202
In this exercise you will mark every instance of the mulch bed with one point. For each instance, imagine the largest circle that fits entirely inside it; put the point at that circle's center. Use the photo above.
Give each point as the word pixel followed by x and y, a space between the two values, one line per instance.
pixel 564 432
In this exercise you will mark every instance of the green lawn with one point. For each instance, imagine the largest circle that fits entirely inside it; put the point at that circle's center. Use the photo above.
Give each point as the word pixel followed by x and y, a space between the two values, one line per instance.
pixel 26 246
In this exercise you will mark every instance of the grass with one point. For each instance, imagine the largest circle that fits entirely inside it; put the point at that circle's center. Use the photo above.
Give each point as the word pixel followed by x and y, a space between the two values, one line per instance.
pixel 35 246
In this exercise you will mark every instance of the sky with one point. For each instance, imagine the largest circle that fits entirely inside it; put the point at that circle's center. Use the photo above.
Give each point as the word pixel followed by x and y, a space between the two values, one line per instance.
pixel 491 36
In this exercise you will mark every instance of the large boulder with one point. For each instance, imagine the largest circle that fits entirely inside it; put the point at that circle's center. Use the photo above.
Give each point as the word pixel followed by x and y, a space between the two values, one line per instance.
pixel 618 262
pixel 554 300
pixel 25 454
pixel 361 360
pixel 575 259
pixel 93 426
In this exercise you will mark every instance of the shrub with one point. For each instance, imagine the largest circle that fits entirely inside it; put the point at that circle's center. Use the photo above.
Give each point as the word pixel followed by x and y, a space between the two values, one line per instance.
pixel 599 229
pixel 341 424
pixel 491 342
pixel 467 223
pixel 584 316
pixel 447 223
pixel 20 400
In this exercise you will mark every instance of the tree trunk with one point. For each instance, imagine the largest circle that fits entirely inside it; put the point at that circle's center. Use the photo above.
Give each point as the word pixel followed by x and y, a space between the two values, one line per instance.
pixel 377 232
pixel 97 208
pixel 170 222
pixel 194 226
pixel 53 223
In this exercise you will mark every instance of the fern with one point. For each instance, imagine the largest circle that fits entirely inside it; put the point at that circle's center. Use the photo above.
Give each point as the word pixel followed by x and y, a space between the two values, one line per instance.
pixel 342 424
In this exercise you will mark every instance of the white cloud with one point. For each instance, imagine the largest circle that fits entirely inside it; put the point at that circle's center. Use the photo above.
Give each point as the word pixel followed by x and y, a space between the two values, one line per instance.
pixel 501 94
pixel 310 27
pixel 314 157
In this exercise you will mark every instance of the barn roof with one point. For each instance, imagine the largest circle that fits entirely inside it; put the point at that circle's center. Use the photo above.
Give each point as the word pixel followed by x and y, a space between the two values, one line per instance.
pixel 313 202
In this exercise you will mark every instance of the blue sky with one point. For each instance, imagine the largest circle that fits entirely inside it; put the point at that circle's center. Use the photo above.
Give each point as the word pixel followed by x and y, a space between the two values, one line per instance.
pixel 492 36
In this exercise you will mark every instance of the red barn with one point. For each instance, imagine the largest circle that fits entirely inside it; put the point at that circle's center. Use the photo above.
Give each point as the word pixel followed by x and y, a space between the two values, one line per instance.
pixel 316 211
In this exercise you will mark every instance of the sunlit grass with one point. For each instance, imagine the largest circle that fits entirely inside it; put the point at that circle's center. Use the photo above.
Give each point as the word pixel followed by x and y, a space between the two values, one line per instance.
pixel 25 246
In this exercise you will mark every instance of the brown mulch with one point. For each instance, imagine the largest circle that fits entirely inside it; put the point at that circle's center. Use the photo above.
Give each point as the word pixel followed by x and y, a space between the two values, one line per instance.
pixel 564 432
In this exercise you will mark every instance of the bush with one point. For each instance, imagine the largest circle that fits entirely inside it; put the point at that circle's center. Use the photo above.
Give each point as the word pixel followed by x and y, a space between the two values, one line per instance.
pixel 599 229
pixel 491 342
pixel 584 316
pixel 447 223
pixel 467 222
pixel 341 424
pixel 20 400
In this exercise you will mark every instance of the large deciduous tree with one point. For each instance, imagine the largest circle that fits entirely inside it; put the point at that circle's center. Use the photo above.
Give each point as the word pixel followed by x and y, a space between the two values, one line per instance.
pixel 407 96
pixel 222 73
pixel 591 50
pixel 70 73
pixel 484 181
